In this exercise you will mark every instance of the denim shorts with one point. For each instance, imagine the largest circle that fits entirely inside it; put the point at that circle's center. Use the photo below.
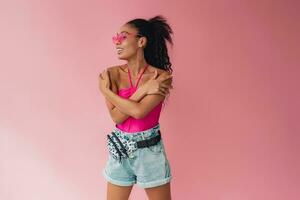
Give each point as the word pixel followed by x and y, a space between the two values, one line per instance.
pixel 147 167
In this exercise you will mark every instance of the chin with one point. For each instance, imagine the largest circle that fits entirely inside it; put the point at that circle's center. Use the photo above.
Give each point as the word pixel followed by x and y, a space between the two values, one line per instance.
pixel 122 57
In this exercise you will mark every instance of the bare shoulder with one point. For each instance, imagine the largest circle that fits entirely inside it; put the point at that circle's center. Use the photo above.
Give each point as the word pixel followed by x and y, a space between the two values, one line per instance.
pixel 112 69
pixel 161 73
pixel 114 72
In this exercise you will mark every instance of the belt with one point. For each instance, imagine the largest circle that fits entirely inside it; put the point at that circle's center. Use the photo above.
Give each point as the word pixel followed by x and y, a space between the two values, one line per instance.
pixel 149 142
pixel 139 144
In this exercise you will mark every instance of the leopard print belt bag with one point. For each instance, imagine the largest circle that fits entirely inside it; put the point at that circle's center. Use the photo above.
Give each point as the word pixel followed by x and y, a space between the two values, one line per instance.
pixel 120 146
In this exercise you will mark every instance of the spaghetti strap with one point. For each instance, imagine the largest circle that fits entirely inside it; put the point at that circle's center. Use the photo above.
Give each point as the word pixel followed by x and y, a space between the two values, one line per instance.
pixel 130 78
pixel 139 78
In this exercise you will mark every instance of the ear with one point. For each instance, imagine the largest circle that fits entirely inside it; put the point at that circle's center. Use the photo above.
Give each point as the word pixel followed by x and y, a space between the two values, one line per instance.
pixel 142 42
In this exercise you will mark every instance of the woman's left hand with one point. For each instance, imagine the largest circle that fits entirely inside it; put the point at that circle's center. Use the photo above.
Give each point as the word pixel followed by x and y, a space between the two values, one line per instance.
pixel 104 81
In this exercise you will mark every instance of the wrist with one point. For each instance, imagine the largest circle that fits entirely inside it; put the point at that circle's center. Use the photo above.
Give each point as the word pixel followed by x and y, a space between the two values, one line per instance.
pixel 142 91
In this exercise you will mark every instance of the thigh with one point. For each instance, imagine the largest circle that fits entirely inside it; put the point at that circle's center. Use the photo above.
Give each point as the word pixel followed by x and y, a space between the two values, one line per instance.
pixel 162 192
pixel 115 192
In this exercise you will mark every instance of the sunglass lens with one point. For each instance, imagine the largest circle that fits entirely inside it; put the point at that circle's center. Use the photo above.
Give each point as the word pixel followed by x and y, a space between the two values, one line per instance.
pixel 115 39
pixel 119 37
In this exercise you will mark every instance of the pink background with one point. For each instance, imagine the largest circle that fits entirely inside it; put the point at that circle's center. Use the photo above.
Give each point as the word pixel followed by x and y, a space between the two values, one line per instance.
pixel 230 125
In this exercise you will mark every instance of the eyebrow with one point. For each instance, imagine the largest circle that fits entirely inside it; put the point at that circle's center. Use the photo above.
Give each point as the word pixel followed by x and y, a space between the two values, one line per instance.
pixel 123 32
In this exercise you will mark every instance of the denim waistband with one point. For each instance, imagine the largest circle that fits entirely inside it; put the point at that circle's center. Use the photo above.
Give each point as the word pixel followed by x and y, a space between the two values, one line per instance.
pixel 140 135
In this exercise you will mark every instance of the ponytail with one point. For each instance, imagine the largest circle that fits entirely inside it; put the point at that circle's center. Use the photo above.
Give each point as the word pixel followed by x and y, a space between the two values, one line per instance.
pixel 158 32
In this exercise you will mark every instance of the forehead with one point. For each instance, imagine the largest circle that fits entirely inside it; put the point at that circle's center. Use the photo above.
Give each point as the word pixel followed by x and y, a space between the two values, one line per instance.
pixel 127 29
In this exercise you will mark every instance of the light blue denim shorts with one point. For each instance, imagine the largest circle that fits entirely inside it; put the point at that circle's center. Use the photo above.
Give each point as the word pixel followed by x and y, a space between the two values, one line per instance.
pixel 147 167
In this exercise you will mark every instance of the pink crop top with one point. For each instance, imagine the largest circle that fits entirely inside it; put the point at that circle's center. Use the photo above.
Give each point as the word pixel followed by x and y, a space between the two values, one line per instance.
pixel 131 124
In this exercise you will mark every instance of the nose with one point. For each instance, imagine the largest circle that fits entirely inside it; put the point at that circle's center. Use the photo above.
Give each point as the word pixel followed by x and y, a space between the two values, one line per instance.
pixel 117 42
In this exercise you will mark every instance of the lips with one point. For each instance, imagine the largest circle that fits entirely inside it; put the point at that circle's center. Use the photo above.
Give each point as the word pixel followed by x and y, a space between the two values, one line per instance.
pixel 119 49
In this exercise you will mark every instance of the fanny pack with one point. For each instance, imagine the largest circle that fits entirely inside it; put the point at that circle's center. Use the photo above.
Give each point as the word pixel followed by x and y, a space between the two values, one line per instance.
pixel 120 146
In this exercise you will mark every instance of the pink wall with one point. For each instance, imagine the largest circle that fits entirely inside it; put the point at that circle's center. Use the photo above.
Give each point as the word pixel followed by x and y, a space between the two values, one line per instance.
pixel 231 123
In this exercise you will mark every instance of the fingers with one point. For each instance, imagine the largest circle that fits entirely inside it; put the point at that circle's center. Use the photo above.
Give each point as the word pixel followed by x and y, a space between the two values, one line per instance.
pixel 163 91
pixel 100 76
pixel 155 74
pixel 160 93
pixel 166 85
pixel 167 77
pixel 107 75
pixel 104 74
pixel 163 77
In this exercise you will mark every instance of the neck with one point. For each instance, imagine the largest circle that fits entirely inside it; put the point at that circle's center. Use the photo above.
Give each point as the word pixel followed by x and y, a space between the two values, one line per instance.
pixel 136 66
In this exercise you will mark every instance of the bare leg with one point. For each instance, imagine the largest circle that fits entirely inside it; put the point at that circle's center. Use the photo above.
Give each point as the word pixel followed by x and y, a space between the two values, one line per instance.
pixel 162 192
pixel 115 192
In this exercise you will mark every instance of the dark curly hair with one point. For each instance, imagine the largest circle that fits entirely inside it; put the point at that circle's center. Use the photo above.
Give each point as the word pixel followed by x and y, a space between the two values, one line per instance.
pixel 157 31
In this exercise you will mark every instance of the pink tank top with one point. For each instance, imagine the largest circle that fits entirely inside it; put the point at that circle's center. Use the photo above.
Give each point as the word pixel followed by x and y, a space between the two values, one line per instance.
pixel 131 124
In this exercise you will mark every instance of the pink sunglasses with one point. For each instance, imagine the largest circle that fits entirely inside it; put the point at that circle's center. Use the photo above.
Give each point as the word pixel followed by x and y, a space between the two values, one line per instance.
pixel 122 36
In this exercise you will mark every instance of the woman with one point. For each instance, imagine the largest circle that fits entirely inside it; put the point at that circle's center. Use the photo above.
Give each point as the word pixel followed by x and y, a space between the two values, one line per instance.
pixel 134 93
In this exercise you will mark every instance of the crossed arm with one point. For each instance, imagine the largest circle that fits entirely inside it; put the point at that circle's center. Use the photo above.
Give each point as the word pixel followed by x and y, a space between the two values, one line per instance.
pixel 116 115
pixel 132 106
pixel 137 106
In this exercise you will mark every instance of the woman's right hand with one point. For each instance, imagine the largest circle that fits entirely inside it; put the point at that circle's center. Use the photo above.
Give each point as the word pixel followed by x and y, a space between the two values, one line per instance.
pixel 157 85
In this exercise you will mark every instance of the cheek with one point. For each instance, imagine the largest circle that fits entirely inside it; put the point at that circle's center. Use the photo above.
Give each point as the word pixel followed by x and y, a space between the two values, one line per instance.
pixel 130 48
pixel 129 44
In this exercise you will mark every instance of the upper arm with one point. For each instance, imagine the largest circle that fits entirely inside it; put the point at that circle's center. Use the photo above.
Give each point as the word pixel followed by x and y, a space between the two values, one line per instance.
pixel 113 86
pixel 112 77
pixel 149 102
